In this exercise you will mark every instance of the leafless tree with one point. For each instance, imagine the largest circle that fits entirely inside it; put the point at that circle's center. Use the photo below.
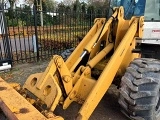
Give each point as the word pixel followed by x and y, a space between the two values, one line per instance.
pixel 96 1
pixel 68 2
pixel 51 4
pixel 11 3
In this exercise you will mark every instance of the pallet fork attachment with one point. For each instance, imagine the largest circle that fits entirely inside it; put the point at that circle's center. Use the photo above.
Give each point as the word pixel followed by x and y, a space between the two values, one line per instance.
pixel 16 107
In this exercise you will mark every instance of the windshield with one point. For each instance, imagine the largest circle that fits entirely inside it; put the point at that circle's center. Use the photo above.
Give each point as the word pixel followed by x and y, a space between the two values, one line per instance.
pixel 152 11
pixel 131 7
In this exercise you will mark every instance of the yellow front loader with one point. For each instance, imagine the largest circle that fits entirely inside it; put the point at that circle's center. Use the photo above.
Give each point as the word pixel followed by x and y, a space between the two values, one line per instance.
pixel 103 55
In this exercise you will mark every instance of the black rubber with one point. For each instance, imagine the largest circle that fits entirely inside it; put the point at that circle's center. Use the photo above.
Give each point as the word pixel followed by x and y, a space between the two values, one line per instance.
pixel 140 90
pixel 65 54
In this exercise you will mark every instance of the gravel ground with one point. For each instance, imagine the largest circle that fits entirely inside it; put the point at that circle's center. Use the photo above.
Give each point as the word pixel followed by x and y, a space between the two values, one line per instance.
pixel 108 108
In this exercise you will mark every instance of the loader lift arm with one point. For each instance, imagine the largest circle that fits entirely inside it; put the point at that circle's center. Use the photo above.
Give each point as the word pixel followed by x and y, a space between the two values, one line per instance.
pixel 65 82
pixel 109 72
pixel 78 85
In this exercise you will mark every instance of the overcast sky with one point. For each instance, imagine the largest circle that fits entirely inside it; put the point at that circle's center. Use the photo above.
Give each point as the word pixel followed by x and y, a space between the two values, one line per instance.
pixel 58 0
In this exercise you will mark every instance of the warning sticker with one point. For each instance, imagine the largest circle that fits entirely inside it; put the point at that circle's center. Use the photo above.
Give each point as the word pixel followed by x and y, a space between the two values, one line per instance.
pixel 155 34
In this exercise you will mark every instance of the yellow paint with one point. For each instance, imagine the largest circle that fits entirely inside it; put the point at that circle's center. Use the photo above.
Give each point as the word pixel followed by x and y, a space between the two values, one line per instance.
pixel 109 43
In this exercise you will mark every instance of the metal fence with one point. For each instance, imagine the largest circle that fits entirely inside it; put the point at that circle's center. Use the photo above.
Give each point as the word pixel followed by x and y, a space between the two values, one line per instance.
pixel 36 35
pixel 5 52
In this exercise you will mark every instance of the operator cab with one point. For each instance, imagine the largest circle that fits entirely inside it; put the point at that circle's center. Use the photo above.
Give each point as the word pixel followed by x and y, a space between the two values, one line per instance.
pixel 131 7
pixel 150 9
pixel 150 43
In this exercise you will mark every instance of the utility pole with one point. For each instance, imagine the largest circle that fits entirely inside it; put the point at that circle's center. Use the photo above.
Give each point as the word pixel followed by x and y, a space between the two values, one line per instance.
pixel 39 7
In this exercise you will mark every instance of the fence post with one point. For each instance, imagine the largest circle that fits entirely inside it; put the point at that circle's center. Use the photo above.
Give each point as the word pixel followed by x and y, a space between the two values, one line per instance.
pixel 36 33
pixel 90 22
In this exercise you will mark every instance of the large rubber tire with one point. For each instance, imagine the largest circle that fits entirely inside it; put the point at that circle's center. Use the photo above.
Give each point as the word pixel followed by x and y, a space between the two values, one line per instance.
pixel 140 90
pixel 65 54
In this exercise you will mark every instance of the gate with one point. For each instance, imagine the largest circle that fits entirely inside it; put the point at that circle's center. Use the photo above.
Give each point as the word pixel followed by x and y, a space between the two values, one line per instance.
pixel 5 49
pixel 23 37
